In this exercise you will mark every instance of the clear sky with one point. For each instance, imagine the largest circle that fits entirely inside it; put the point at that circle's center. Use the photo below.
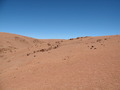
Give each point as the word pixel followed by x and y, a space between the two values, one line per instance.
pixel 60 19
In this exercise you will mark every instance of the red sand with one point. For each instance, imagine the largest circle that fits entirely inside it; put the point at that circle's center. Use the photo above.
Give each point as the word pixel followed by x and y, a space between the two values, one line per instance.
pixel 84 63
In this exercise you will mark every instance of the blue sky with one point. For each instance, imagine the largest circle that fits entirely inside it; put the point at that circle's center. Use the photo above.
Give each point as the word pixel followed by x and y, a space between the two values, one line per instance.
pixel 62 19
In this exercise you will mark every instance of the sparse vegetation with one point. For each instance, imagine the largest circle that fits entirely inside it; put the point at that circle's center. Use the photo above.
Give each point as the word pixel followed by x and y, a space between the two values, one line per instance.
pixel 71 39
pixel 105 39
pixel 99 40
pixel 93 47
pixel 78 38
pixel 49 44
pixel 28 54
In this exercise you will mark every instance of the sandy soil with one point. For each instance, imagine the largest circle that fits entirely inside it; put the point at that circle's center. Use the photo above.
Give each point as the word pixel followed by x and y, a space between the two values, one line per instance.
pixel 83 63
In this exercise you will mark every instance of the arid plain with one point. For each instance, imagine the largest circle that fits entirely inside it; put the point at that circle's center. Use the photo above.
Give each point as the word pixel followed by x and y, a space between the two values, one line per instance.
pixel 82 63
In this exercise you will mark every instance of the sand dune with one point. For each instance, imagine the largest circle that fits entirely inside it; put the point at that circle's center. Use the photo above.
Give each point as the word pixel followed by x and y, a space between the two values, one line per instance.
pixel 83 63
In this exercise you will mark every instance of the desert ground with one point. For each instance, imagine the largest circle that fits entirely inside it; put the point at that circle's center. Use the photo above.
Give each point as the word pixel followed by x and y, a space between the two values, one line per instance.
pixel 82 63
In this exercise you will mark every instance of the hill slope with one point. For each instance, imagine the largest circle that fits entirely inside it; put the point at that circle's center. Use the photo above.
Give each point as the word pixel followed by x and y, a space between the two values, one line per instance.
pixel 83 63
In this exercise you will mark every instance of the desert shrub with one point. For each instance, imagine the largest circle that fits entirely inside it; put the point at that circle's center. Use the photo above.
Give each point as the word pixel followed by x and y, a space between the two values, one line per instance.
pixel 105 39
pixel 71 39
pixel 99 40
